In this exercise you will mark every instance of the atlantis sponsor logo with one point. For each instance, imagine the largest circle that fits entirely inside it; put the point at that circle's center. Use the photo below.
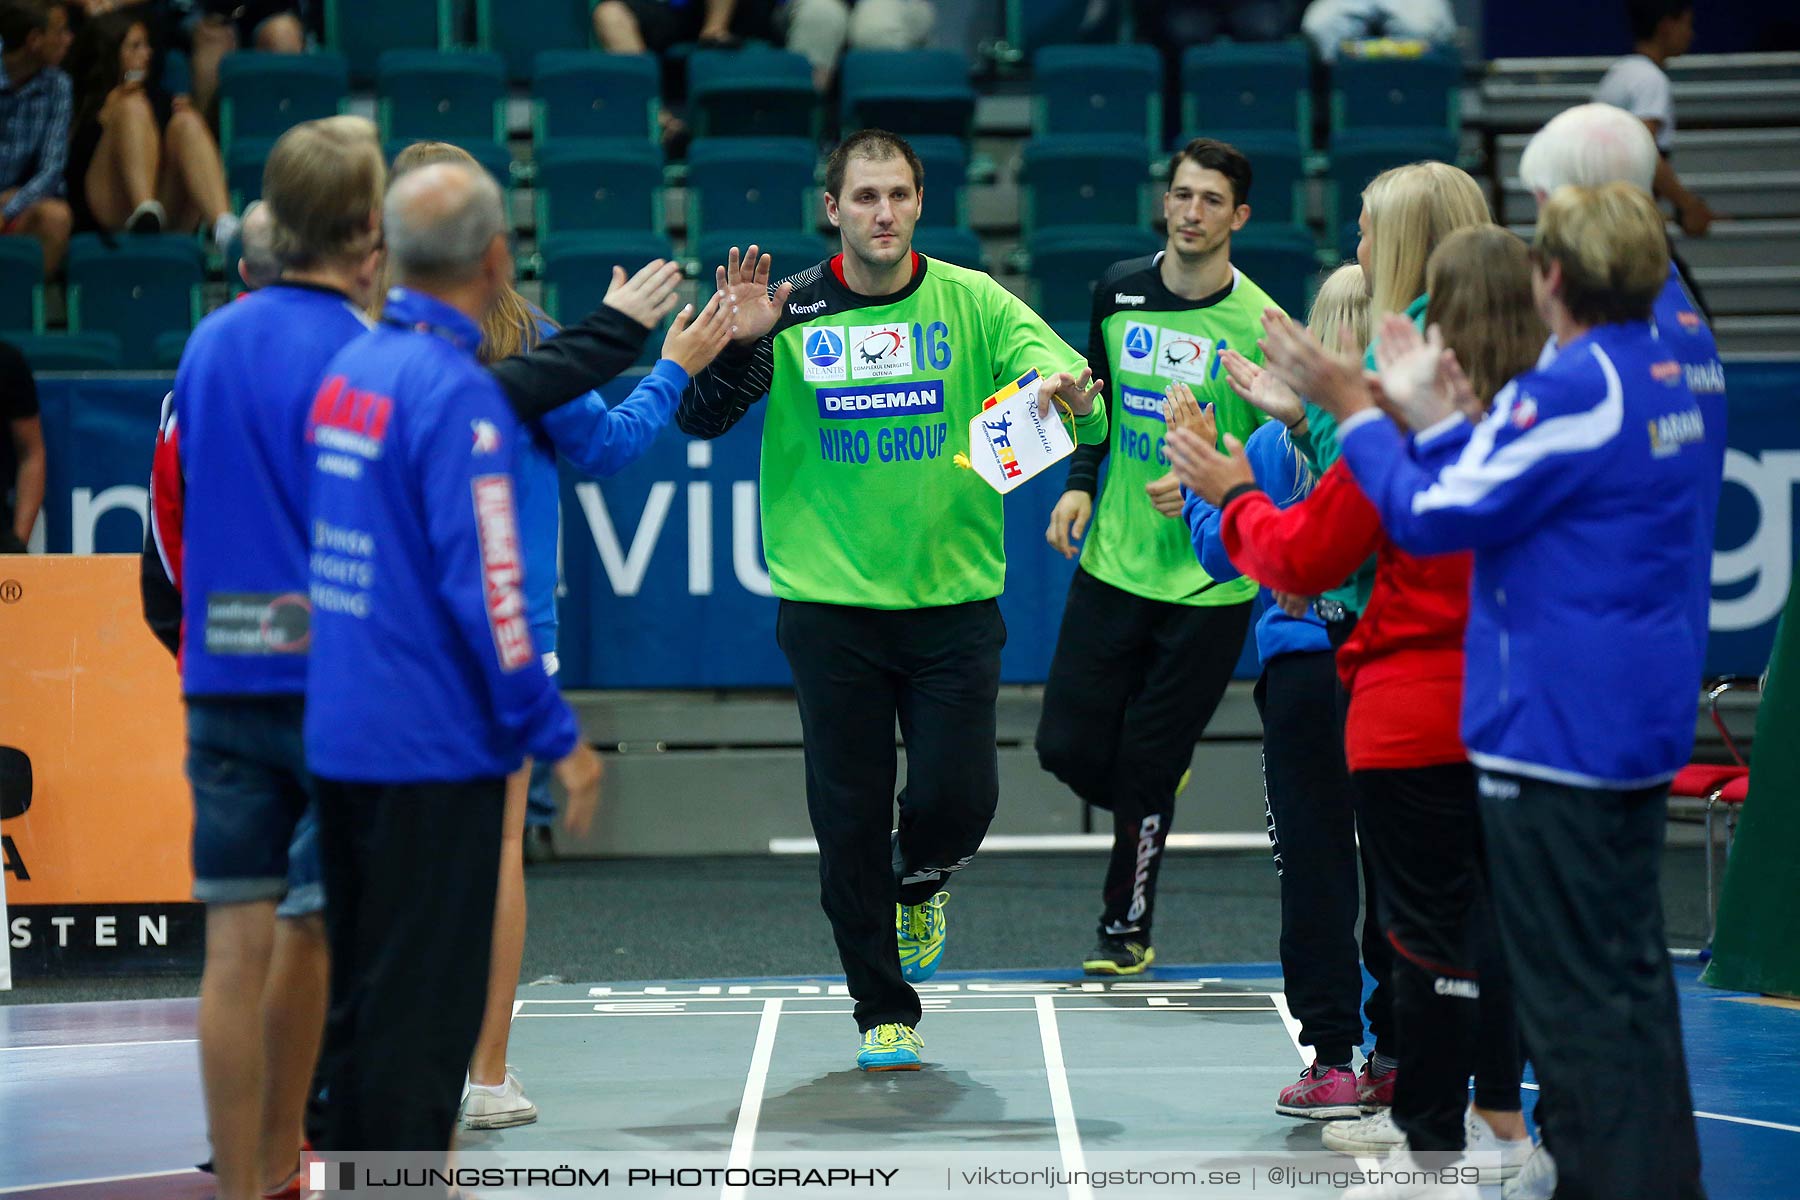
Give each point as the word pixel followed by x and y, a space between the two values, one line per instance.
pixel 1140 403
pixel 824 355
pixel 905 400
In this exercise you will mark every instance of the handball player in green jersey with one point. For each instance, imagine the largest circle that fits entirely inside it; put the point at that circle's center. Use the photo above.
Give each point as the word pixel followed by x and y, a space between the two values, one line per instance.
pixel 887 557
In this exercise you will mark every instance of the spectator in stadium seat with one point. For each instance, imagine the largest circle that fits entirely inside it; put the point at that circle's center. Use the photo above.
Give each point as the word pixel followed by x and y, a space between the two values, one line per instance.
pixel 34 125
pixel 21 452
pixel 1175 25
pixel 140 160
pixel 208 30
pixel 1331 23
pixel 1660 30
pixel 656 26
pixel 820 29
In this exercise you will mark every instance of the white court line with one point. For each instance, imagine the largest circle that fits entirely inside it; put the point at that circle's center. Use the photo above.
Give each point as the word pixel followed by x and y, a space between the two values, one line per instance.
pixel 1068 1134
pixel 69 1183
pixel 1279 1000
pixel 102 1046
pixel 1712 1116
pixel 517 1005
pixel 743 1138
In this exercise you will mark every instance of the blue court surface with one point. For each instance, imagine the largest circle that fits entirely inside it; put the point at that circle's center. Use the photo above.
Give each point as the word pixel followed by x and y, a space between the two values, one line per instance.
pixel 103 1099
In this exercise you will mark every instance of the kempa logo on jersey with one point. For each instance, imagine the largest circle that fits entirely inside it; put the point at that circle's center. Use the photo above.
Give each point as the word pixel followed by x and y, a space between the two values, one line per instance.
pixel 816 306
pixel 880 351
pixel 905 400
pixel 822 355
pixel 1141 403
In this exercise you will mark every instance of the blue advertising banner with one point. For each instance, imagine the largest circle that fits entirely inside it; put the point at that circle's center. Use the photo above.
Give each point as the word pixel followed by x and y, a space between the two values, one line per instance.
pixel 665 585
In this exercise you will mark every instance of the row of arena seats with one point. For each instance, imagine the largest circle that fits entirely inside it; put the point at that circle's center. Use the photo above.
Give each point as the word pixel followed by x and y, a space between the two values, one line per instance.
pixel 1113 91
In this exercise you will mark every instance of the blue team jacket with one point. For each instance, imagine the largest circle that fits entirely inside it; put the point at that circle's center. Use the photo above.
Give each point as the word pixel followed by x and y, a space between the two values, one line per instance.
pixel 242 391
pixel 1281 473
pixel 1578 494
pixel 422 665
pixel 597 441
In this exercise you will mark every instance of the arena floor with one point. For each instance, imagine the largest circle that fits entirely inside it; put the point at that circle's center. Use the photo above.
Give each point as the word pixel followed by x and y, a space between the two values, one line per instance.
pixel 103 1100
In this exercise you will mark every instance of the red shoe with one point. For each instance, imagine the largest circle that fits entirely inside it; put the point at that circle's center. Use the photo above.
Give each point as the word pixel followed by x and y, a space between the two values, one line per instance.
pixel 1320 1093
pixel 1374 1094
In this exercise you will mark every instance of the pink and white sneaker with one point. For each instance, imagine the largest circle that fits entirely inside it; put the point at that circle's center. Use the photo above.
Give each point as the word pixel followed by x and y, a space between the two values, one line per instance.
pixel 1374 1094
pixel 1321 1093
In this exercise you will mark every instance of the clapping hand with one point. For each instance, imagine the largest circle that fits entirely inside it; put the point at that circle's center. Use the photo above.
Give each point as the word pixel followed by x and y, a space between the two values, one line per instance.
pixel 1331 381
pixel 1262 390
pixel 646 297
pixel 1410 368
pixel 1208 472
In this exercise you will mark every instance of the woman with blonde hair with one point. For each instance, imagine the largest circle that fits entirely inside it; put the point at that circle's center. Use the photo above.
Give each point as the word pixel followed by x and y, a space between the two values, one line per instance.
pixel 1403 668
pixel 1307 790
pixel 598 441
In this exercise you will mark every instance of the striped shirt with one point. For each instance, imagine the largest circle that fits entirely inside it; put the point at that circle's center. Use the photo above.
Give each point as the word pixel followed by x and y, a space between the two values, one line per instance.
pixel 34 137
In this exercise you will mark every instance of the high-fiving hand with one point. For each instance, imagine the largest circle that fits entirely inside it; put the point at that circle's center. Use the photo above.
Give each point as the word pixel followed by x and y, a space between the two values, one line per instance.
pixel 648 296
pixel 744 281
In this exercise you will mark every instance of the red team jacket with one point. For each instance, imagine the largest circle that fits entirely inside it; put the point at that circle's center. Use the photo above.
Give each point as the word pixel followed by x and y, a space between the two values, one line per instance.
pixel 1403 665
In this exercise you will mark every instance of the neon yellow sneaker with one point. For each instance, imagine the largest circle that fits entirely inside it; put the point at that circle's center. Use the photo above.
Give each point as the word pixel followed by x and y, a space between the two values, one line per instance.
pixel 921 930
pixel 1118 956
pixel 890 1048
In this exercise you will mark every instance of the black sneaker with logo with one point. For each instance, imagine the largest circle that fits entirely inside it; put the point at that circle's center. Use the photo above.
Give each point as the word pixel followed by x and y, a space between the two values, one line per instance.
pixel 1118 954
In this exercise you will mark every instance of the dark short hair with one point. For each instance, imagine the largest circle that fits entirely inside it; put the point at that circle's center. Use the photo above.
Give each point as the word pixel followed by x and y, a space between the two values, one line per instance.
pixel 1215 155
pixel 1646 15
pixel 877 144
pixel 19 19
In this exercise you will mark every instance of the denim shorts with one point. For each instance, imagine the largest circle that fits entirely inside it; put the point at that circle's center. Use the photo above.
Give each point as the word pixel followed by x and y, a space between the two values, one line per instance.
pixel 247 766
pixel 306 873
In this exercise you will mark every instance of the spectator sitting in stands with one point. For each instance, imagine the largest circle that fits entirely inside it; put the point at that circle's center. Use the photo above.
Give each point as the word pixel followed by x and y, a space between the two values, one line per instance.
pixel 655 26
pixel 820 29
pixel 34 124
pixel 1174 25
pixel 208 30
pixel 140 160
pixel 1331 23
pixel 1660 30
pixel 21 452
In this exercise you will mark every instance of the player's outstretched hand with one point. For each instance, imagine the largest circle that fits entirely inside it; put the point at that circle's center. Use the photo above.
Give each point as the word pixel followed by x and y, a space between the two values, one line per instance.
pixel 1208 472
pixel 648 296
pixel 1261 389
pixel 744 281
pixel 1069 522
pixel 1334 382
pixel 1075 390
pixel 579 773
pixel 694 341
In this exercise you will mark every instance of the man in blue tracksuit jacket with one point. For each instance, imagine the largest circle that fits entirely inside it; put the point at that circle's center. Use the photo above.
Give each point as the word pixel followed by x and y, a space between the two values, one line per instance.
pixel 1579 494
pixel 424 688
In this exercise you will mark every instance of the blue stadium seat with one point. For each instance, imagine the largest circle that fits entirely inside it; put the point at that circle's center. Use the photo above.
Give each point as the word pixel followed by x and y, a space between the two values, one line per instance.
pixel 1358 157
pixel 959 246
pixel 752 93
pixel 789 253
pixel 1073 332
pixel 1283 260
pixel 1065 262
pixel 1229 89
pixel 264 95
pixel 451 97
pixel 907 91
pixel 584 94
pixel 1396 93
pixel 69 351
pixel 244 169
pixel 21 284
pixel 765 184
pixel 577 267
pixel 1098 89
pixel 362 32
pixel 946 163
pixel 496 158
pixel 586 187
pixel 169 347
pixel 138 289
pixel 1082 179
pixel 1031 25
pixel 526 27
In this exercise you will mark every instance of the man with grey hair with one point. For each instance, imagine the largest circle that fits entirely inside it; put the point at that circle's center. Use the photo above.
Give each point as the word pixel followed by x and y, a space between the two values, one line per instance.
pixel 424 689
pixel 257 264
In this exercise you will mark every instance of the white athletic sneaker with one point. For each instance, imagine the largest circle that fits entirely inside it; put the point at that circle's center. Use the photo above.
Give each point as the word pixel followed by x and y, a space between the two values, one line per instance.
pixel 1479 1138
pixel 500 1107
pixel 1401 1177
pixel 1375 1135
pixel 1536 1180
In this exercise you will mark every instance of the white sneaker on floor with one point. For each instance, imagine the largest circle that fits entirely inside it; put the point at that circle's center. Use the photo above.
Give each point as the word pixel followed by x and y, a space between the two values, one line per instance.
pixel 497 1107
pixel 1401 1177
pixel 1375 1135
pixel 1536 1180
pixel 1511 1154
